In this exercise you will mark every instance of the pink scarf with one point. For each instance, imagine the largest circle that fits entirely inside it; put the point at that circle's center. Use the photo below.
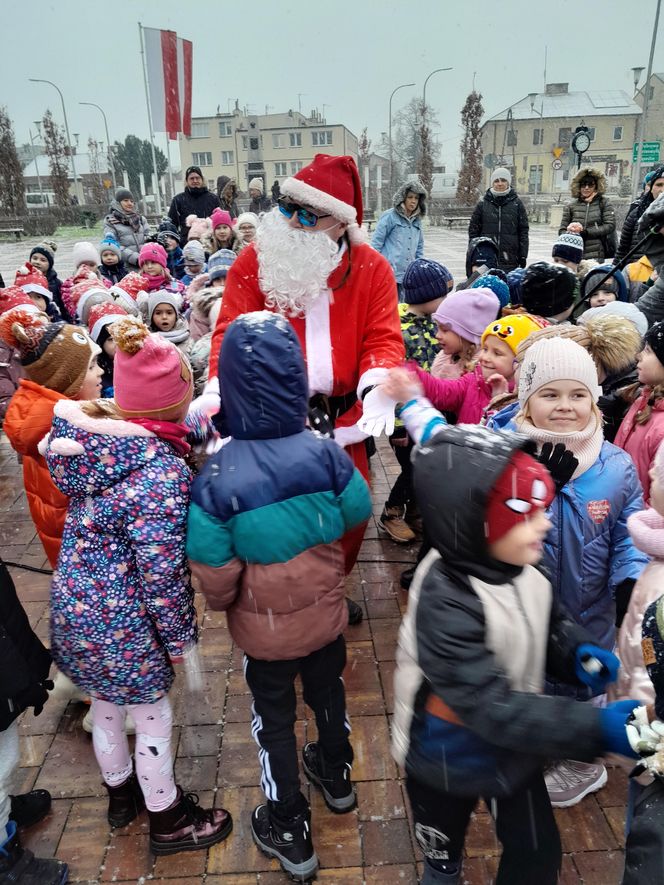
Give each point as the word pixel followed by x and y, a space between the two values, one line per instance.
pixel 172 433
pixel 154 282
pixel 647 530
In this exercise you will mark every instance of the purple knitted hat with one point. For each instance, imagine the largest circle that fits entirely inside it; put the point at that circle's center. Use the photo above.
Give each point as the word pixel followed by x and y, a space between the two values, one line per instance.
pixel 468 312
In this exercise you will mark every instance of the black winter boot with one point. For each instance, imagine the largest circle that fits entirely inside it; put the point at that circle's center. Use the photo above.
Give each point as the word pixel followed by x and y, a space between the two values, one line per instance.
pixel 185 826
pixel 287 840
pixel 20 867
pixel 355 613
pixel 125 802
pixel 335 784
pixel 30 808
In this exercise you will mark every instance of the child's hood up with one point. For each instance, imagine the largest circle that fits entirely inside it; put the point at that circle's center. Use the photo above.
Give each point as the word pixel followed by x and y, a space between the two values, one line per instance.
pixel 453 476
pixel 86 456
pixel 262 379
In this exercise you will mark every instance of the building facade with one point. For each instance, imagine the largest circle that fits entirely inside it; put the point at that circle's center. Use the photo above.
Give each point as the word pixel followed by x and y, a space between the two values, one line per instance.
pixel 270 146
pixel 533 138
pixel 655 121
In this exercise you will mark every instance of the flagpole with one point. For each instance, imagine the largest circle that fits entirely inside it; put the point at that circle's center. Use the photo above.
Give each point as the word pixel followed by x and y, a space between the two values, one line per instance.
pixel 147 103
pixel 170 168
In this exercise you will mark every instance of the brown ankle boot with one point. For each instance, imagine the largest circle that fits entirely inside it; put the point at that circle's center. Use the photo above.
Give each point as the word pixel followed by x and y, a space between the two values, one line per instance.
pixel 125 802
pixel 185 826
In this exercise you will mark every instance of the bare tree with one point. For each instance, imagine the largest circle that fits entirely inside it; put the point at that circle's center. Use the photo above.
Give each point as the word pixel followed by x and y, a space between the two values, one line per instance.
pixel 97 168
pixel 363 152
pixel 12 186
pixel 58 159
pixel 470 174
pixel 407 144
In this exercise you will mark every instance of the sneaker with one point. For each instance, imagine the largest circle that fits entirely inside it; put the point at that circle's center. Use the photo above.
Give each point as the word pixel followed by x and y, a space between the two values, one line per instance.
pixel 568 781
pixel 289 842
pixel 355 613
pixel 28 809
pixel 392 522
pixel 336 785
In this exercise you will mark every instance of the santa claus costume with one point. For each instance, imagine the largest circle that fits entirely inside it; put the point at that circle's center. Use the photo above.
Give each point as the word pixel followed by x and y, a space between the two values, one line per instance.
pixel 348 325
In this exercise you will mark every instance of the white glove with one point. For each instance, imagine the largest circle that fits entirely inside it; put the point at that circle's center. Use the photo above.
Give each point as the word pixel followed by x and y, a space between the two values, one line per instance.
pixel 377 413
pixel 209 402
pixel 647 739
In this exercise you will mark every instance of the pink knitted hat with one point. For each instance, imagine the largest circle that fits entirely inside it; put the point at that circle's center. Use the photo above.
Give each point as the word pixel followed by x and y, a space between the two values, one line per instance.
pixel 220 216
pixel 468 312
pixel 151 376
pixel 153 252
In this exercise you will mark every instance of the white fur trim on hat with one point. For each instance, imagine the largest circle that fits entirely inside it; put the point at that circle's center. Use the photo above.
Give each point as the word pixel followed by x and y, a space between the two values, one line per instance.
pixel 106 320
pixel 556 359
pixel 87 295
pixel 304 193
pixel 37 290
pixel 125 300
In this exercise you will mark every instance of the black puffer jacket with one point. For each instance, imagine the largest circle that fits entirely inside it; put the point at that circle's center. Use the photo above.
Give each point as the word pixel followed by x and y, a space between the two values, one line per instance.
pixel 505 220
pixel 192 201
pixel 651 303
pixel 24 662
pixel 629 234
pixel 501 727
pixel 597 218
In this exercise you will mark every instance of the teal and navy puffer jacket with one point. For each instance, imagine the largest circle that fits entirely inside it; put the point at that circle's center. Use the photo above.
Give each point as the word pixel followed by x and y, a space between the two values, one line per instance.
pixel 271 506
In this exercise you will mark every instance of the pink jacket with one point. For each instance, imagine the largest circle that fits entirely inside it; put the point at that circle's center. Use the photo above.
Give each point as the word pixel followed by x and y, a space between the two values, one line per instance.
pixel 467 396
pixel 647 531
pixel 641 441
pixel 445 367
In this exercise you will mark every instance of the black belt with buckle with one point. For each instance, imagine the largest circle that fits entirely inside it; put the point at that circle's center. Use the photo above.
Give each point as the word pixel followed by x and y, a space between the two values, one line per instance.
pixel 324 411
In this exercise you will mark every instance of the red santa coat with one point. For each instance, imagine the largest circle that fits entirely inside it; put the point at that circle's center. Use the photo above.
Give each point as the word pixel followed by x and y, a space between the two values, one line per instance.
pixel 349 341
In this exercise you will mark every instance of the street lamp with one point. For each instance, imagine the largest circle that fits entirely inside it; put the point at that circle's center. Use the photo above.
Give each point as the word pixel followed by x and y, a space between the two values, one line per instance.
pixel 64 114
pixel 424 91
pixel 403 86
pixel 532 96
pixel 91 104
pixel 34 160
pixel 646 102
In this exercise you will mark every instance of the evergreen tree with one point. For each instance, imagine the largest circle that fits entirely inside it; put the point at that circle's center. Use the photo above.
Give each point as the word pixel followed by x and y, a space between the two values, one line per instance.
pixel 58 159
pixel 134 157
pixel 470 174
pixel 12 186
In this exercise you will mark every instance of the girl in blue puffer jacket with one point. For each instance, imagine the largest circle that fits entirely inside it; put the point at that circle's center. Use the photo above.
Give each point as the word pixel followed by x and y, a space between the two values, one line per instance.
pixel 589 556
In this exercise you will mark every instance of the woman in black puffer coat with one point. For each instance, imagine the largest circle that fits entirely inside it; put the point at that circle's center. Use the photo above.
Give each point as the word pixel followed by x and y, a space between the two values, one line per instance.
pixel 502 216
pixel 590 214
pixel 629 236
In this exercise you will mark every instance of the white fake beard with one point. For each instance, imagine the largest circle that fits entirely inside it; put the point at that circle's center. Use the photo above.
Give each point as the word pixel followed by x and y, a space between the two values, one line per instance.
pixel 293 265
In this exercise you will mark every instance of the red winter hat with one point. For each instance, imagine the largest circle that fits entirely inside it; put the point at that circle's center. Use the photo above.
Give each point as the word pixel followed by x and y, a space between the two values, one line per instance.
pixel 132 284
pixel 32 280
pixel 522 487
pixel 102 315
pixel 153 252
pixel 14 296
pixel 330 185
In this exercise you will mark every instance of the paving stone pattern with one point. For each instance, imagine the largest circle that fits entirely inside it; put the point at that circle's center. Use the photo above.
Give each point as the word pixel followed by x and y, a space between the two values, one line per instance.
pixel 216 755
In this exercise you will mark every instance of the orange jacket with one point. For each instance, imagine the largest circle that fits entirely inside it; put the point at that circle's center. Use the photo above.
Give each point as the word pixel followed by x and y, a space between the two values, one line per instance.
pixel 28 420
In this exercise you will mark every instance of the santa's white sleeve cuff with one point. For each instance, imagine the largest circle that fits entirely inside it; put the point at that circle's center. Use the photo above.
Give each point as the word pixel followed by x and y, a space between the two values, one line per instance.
pixel 212 386
pixel 371 378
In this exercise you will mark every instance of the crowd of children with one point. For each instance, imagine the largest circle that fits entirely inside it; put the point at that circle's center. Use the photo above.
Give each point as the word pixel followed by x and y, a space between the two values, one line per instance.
pixel 541 516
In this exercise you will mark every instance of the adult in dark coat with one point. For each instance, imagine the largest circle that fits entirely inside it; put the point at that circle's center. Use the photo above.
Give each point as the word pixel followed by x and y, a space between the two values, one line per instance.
pixel 227 193
pixel 502 216
pixel 628 235
pixel 259 201
pixel 195 199
pixel 590 214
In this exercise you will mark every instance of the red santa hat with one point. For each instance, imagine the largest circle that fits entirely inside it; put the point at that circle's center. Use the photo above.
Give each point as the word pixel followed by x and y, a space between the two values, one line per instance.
pixel 102 315
pixel 14 296
pixel 330 185
pixel 32 280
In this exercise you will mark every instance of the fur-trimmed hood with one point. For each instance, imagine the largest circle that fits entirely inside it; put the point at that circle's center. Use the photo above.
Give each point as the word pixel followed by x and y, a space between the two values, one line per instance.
pixel 412 185
pixel 597 174
pixel 614 341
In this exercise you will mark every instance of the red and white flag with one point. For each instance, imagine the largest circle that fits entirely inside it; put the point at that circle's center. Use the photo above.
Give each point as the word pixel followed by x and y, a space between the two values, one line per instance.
pixel 168 60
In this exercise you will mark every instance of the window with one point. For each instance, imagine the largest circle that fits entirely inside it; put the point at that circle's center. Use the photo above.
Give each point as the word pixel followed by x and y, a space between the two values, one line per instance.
pixel 591 133
pixel 538 136
pixel 296 139
pixel 279 140
pixel 225 129
pixel 227 158
pixel 511 138
pixel 253 143
pixel 564 136
pixel 295 167
pixel 200 130
pixel 201 159
pixel 245 142
pixel 320 139
pixel 535 179
pixel 280 169
pixel 617 133
pixel 651 93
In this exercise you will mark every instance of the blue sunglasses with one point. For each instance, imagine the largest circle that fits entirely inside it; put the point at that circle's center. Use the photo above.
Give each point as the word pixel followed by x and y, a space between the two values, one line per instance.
pixel 306 217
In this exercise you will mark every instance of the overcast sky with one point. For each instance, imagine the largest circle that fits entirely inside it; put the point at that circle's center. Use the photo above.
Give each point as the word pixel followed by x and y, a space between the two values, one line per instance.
pixel 348 55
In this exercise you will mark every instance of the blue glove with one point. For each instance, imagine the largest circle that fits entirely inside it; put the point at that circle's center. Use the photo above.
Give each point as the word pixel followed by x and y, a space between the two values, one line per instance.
pixel 595 667
pixel 613 721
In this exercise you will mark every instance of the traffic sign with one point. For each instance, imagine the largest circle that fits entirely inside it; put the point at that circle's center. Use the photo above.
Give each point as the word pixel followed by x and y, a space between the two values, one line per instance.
pixel 557 164
pixel 649 152
pixel 557 151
